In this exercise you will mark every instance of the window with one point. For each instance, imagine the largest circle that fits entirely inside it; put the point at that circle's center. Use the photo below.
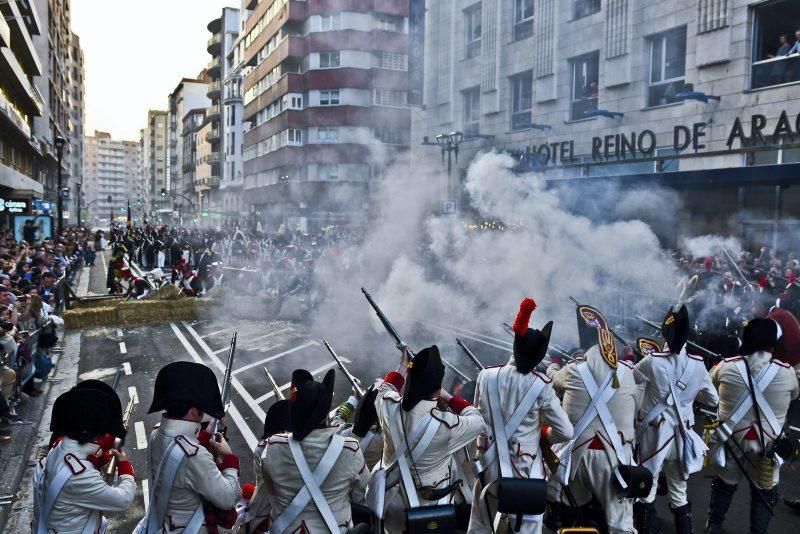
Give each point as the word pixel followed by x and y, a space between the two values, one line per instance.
pixel 328 60
pixel 391 136
pixel 774 37
pixel 472 26
pixel 584 8
pixel 390 24
pixel 328 171
pixel 521 100
pixel 296 102
pixel 330 22
pixel 328 135
pixel 295 136
pixel 667 67
pixel 390 97
pixel 329 98
pixel 523 19
pixel 392 60
pixel 585 85
pixel 472 110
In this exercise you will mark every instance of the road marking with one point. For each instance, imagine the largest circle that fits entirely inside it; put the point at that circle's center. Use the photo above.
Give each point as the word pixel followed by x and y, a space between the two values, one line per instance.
pixel 127 368
pixel 98 374
pixel 218 331
pixel 286 386
pixel 141 435
pixel 279 355
pixel 105 265
pixel 123 349
pixel 146 494
pixel 132 394
pixel 265 336
pixel 238 420
pixel 119 332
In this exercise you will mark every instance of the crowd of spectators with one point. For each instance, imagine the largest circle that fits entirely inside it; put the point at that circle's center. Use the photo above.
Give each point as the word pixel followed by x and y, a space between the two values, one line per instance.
pixel 31 297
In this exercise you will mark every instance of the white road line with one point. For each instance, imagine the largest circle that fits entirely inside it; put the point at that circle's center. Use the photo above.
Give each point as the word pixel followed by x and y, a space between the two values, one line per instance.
pixel 123 348
pixel 218 331
pixel 105 265
pixel 265 336
pixel 284 387
pixel 238 420
pixel 98 374
pixel 132 394
pixel 146 494
pixel 279 355
pixel 141 435
pixel 119 332
pixel 127 368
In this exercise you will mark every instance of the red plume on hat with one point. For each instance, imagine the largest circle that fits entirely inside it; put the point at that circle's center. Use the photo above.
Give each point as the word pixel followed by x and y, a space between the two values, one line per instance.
pixel 526 308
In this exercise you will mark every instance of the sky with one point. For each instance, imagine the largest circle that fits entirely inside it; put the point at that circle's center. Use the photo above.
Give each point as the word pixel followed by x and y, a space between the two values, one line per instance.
pixel 135 55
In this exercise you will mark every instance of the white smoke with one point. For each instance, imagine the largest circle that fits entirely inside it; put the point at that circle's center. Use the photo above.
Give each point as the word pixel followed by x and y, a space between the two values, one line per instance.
pixel 710 245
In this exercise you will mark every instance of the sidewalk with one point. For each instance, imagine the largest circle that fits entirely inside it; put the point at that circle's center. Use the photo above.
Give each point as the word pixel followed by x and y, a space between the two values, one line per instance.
pixel 30 439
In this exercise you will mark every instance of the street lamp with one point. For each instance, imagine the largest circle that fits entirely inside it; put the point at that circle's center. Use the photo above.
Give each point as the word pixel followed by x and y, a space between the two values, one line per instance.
pixel 448 143
pixel 60 142
pixel 78 186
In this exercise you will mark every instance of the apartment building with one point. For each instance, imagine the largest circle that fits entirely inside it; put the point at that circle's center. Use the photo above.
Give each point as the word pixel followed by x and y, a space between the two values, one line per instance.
pixel 690 94
pixel 193 123
pixel 154 167
pixel 112 171
pixel 76 123
pixel 325 94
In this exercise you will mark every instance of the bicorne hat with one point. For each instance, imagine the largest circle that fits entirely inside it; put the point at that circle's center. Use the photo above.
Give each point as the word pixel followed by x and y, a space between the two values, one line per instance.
pixel 366 415
pixel 758 334
pixel 278 419
pixel 309 402
pixel 425 375
pixel 530 345
pixel 675 329
pixel 188 382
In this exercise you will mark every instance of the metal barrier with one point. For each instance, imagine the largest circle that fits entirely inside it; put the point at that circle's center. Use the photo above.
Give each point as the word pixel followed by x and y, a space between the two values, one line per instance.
pixel 22 363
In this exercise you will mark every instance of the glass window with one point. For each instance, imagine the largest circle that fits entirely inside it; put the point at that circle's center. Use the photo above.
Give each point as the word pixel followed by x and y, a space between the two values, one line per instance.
pixel 472 25
pixel 329 98
pixel 390 97
pixel 392 60
pixel 328 171
pixel 330 22
pixel 667 67
pixel 295 136
pixel 776 34
pixel 523 19
pixel 584 8
pixel 328 60
pixel 328 135
pixel 521 100
pixel 585 84
pixel 472 110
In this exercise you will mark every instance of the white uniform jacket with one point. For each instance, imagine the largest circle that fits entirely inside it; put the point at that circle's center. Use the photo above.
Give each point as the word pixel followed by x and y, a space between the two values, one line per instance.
pixel 346 483
pixel 198 477
pixel 662 373
pixel 622 406
pixel 523 445
pixel 85 496
pixel 781 390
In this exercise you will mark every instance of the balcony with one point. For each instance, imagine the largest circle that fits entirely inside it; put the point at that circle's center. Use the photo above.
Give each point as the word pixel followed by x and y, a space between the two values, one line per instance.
pixel 213 90
pixel 212 181
pixel 212 158
pixel 212 114
pixel 776 71
pixel 213 67
pixel 213 135
pixel 215 25
pixel 214 44
pixel 204 184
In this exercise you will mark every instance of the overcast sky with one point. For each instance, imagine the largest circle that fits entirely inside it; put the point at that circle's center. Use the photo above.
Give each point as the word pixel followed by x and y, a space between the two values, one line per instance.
pixel 136 53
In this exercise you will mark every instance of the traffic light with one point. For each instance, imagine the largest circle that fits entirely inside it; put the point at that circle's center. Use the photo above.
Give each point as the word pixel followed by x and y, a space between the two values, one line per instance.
pixel 163 192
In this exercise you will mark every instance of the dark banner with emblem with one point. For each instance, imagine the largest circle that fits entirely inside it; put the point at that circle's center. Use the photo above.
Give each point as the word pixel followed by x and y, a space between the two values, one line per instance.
pixel 416 51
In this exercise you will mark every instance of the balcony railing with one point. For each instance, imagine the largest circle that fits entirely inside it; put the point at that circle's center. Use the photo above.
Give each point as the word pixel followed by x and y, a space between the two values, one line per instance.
pixel 211 158
pixel 214 43
pixel 776 71
pixel 213 67
pixel 213 90
pixel 212 135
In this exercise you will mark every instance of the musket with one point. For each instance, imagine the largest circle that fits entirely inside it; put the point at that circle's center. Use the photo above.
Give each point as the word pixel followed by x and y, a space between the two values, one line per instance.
pixel 738 270
pixel 398 341
pixel 474 359
pixel 617 336
pixel 111 468
pixel 771 274
pixel 456 371
pixel 690 343
pixel 350 378
pixel 278 393
pixel 226 382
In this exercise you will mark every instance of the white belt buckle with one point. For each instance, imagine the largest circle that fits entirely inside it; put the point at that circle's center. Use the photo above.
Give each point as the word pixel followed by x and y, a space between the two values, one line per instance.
pixel 680 385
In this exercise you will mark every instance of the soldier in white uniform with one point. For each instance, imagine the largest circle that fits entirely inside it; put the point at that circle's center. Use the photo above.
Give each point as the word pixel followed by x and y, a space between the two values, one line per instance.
pixel 424 408
pixel 521 389
pixel 70 494
pixel 747 436
pixel 672 381
pixel 312 474
pixel 364 426
pixel 189 484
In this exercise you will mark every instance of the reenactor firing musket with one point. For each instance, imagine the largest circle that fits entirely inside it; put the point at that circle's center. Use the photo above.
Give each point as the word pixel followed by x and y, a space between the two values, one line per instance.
pixel 474 359
pixel 278 393
pixel 350 378
pixel 111 468
pixel 388 326
pixel 690 343
pixel 226 382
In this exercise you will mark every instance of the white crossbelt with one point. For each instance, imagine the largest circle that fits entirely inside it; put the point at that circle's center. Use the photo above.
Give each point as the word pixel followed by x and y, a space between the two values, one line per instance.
pixel 401 451
pixel 48 494
pixel 762 403
pixel 311 486
pixel 671 399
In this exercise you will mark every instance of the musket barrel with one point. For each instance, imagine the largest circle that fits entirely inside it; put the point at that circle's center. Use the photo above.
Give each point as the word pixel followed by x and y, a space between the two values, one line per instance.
pixel 278 393
pixel 350 378
pixel 456 371
pixel 226 381
pixel 386 324
pixel 474 359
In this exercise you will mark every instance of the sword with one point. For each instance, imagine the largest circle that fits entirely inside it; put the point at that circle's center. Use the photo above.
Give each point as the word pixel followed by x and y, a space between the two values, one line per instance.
pixel 278 393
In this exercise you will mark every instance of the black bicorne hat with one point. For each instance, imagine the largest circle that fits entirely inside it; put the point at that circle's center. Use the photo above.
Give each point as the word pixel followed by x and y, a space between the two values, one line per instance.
pixel 759 334
pixel 119 427
pixel 189 382
pixel 675 329
pixel 425 375
pixel 310 402
pixel 530 345
pixel 366 415
pixel 278 419
pixel 84 414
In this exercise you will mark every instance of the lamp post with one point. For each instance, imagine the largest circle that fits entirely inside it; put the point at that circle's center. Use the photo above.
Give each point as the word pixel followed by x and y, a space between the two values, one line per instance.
pixel 60 142
pixel 448 143
pixel 78 186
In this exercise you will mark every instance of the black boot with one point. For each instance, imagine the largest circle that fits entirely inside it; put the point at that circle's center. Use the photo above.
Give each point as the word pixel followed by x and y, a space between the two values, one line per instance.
pixel 645 518
pixel 552 515
pixel 683 518
pixel 721 496
pixel 759 512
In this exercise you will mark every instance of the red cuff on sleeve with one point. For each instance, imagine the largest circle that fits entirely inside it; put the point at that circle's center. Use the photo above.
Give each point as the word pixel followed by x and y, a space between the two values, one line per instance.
pixel 106 442
pixel 545 428
pixel 229 462
pixel 125 468
pixel 203 438
pixel 395 379
pixel 457 404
